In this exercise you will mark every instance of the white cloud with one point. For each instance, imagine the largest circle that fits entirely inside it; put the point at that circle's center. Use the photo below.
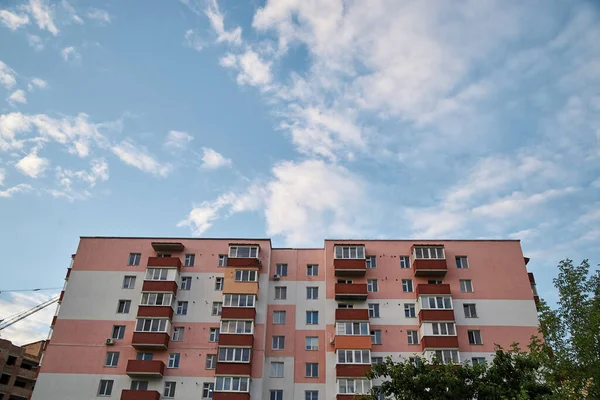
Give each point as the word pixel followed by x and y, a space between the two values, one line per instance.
pixel 596 183
pixel 7 76
pixel 518 202
pixel 211 159
pixel 71 12
pixel 100 16
pixel 32 165
pixel 252 70
pixel 33 328
pixel 13 21
pixel 43 15
pixel 37 83
pixel 193 40
pixel 178 140
pixel 70 54
pixel 20 188
pixel 98 172
pixel 35 42
pixel 2 176
pixel 525 234
pixel 18 96
pixel 139 158
pixel 216 20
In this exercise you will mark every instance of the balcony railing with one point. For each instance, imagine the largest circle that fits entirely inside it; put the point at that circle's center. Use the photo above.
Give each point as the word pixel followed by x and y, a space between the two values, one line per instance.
pixel 349 267
pixel 164 262
pixel 436 315
pixel 423 288
pixel 155 311
pixel 140 395
pixel 230 396
pixel 352 370
pixel 145 368
pixel 351 291
pixel 150 340
pixel 351 314
pixel 352 342
pixel 233 339
pixel 439 342
pixel 159 286
pixel 238 369
pixel 243 262
pixel 430 267
pixel 238 313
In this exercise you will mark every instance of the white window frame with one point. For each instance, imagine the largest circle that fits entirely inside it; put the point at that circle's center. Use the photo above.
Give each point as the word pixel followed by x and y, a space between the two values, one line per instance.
pixel 474 334
pixel 234 355
pixel 152 299
pixel 312 270
pixel 281 269
pixel 217 308
pixel 374 310
pixel 308 343
pixel 234 251
pixel 410 309
pixel 207 390
pixel 429 253
pixel 404 262
pixel 236 327
pixel 373 334
pixel 436 303
pixel 186 283
pixel 353 386
pixel 312 292
pixel 178 333
pixel 239 300
pixel 470 310
pixel 219 283
pixel 413 336
pixel 277 369
pixel 349 252
pixel 447 356
pixel 407 286
pixel 222 260
pixel 189 260
pixel 137 258
pixel 228 384
pixel 377 360
pixel 353 356
pixel 157 274
pixel 443 328
pixel 169 390
pixel 152 325
pixel 311 320
pixel 309 370
pixel 371 262
pixel 345 306
pixel 463 285
pixel 126 306
pixel 279 291
pixel 478 360
pixel 173 361
pixel 105 391
pixel 311 395
pixel 276 394
pixel 348 328
pixel 372 285
pixel 279 317
pixel 138 385
pixel 129 281
pixel 182 307
pixel 119 330
pixel 246 275
pixel 213 335
pixel 277 339
pixel 111 359
pixel 462 262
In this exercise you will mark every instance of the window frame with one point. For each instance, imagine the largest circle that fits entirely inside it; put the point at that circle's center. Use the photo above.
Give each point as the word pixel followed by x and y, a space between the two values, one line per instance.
pixel 426 303
pixel 311 395
pixel 217 308
pixel 464 287
pixel 441 327
pixel 480 360
pixel 120 330
pixel 342 328
pixel 312 293
pixel 429 252
pixel 374 310
pixel 186 283
pixel 178 334
pixel 151 299
pixel 213 334
pixel 472 310
pixel 310 317
pixel 405 262
pixel 151 274
pixel 412 336
pixel 372 286
pixel 410 310
pixel 311 269
pixel 281 269
pixel 310 368
pixel 137 258
pixel 375 336
pixel 365 386
pixel 275 394
pixel 228 300
pixel 279 320
pixel 182 308
pixel 277 372
pixel 173 360
pixel 371 262
pixel 444 359
pixel 162 324
pixel 222 260
pixel 279 340
pixel 281 290
pixel 228 323
pixel 114 359
pixel 347 255
pixel 475 335
pixel 192 259
pixel 126 306
pixel 246 275
pixel 235 253
pixel 127 282
pixel 108 387
pixel 170 386
pixel 230 382
pixel 208 389
pixel 308 343
pixel 462 262
pixel 239 355
pixel 407 286
pixel 353 357
pixel 137 384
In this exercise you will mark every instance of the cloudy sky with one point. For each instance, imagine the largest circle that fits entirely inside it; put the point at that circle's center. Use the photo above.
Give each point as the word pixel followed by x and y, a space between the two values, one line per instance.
pixel 297 120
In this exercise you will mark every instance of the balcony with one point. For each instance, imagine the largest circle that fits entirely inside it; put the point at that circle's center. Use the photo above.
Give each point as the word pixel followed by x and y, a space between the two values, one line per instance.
pixel 241 369
pixel 430 267
pixel 349 267
pixel 348 396
pixel 140 395
pixel 230 396
pixel 439 342
pixel 168 247
pixel 150 340
pixel 238 313
pixel 352 370
pixel 350 342
pixel 436 315
pixel 351 291
pixel 164 262
pixel 243 262
pixel 232 339
pixel 351 314
pixel 159 286
pixel 155 311
pixel 423 288
pixel 145 368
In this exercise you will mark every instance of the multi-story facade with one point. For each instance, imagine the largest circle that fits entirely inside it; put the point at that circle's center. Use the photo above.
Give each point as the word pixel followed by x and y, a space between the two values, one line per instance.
pixel 18 369
pixel 152 318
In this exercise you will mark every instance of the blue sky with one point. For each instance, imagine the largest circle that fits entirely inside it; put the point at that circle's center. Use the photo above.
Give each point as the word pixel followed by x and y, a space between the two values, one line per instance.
pixel 296 120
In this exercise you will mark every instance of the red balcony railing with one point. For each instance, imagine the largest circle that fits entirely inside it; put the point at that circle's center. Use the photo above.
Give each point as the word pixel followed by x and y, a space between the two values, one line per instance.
pixel 429 267
pixel 230 396
pixel 149 368
pixel 226 339
pixel 155 311
pixel 436 315
pixel 423 288
pixel 351 291
pixel 351 314
pixel 244 369
pixel 439 342
pixel 243 262
pixel 164 262
pixel 238 313
pixel 140 395
pixel 345 267
pixel 159 286
pixel 351 370
pixel 150 340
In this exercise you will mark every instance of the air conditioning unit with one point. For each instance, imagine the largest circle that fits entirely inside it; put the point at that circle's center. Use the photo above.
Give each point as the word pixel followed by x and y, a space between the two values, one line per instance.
pixel 331 339
pixel 110 341
pixel 276 277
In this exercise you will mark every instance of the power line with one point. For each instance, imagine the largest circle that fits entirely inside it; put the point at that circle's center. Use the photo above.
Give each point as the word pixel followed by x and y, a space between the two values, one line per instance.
pixel 29 290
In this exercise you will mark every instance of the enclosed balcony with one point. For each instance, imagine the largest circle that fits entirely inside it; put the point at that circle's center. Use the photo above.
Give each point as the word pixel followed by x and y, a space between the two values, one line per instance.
pixel 349 342
pixel 160 286
pixel 436 315
pixel 237 369
pixel 430 267
pixel 238 313
pixel 349 267
pixel 351 314
pixel 351 291
pixel 145 368
pixel 352 370
pixel 243 262
pixel 168 247
pixel 150 340
pixel 155 311
pixel 439 342
pixel 234 339
pixel 140 395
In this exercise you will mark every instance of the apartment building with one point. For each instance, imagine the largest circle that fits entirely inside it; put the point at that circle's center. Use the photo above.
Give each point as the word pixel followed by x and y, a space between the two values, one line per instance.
pixel 156 318
pixel 18 369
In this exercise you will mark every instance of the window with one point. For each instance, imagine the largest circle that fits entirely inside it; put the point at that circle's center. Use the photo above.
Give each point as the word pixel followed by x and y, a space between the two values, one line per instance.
pixel 118 332
pixel 466 285
pixel 213 335
pixel 474 337
pixel 186 283
pixel 280 292
pixel 134 258
pixel 232 384
pixel 371 262
pixel 129 282
pixel 279 317
pixel 219 284
pixel 144 356
pixel 151 325
pixel 354 386
pixel 376 336
pixel 311 395
pixel 217 307
pixel 243 251
pixel 415 361
pixel 112 359
pixel 178 334
pixel 157 274
pixel 188 260
pixel 407 285
pixel 374 310
pixel 436 303
pixel 376 360
pixel 211 360
pixel 352 328
pixel 239 300
pixel 352 252
pixel 312 343
pixel 173 360
pixel 207 390
pixel 123 307
pixel 447 356
pixel 344 281
pixel 182 307
pixel 139 385
pixel 443 328
pixel 276 370
pixel 461 262
pixel 354 357
pixel 413 337
pixel 163 255
pixel 470 310
pixel 404 262
pixel 430 253
pixel 312 318
pixel 156 299
pixel 409 310
pixel 234 354
pixel 372 285
pixel 222 262
pixel 434 282
pixel 245 276
pixel 312 370
pixel 237 326
pixel 105 387
pixel 278 342
pixel 312 270
pixel 478 360
pixel 281 269
pixel 169 391
pixel 345 306
pixel 312 293
pixel 276 395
